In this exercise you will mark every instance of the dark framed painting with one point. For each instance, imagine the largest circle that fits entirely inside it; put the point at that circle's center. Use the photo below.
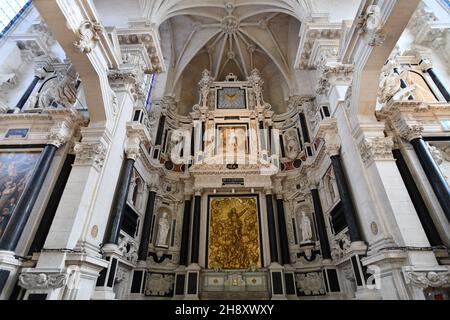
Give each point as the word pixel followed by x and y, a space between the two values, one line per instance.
pixel 16 167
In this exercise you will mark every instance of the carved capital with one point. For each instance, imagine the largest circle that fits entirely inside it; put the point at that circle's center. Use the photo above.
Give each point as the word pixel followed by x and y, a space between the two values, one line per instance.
pixel 313 180
pixel 378 148
pixel 332 144
pixel 409 132
pixel 426 64
pixel 90 154
pixel 197 191
pixel 153 182
pixel 132 152
pixel 333 75
pixel 58 136
pixel 42 280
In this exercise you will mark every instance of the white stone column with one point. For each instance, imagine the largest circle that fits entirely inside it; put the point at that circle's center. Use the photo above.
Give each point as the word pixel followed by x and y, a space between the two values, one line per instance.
pixel 80 221
pixel 401 222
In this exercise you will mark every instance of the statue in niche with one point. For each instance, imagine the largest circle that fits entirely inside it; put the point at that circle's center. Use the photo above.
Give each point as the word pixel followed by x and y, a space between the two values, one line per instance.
pixel 306 228
pixel 163 231
pixel 331 191
pixel 292 146
pixel 175 146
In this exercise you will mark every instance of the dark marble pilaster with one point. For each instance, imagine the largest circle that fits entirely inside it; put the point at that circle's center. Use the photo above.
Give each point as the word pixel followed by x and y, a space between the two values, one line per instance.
pixel 146 228
pixel 120 201
pixel 284 243
pixel 196 228
pixel 185 232
pixel 271 227
pixel 321 227
pixel 346 199
pixel 433 173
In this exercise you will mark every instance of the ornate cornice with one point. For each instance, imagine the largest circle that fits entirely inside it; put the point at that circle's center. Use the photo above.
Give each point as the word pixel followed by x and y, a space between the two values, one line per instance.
pixel 145 34
pixel 397 115
pixel 311 34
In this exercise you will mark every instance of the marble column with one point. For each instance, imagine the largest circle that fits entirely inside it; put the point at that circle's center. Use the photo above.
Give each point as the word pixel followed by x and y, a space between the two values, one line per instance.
pixel 40 74
pixel 196 227
pixel 146 228
pixel 25 205
pixel 271 227
pixel 118 209
pixel 284 243
pixel 439 84
pixel 433 173
pixel 321 227
pixel 185 232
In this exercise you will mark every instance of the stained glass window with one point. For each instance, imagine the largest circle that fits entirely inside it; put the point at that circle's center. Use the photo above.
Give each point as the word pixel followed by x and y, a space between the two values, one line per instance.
pixel 10 12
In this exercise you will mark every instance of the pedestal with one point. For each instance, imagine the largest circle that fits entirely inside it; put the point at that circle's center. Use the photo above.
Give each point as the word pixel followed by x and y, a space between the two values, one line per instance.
pixel 289 282
pixel 192 282
pixel 277 283
pixel 73 279
pixel 8 273
pixel 105 282
pixel 180 283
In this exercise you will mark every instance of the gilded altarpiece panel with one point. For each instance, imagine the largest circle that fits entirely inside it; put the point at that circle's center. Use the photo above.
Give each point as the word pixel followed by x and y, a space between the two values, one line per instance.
pixel 234 237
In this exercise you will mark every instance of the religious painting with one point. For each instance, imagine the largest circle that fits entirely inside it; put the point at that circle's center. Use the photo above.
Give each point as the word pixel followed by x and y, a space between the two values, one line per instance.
pixel 231 98
pixel 15 171
pixel 234 241
pixel 232 141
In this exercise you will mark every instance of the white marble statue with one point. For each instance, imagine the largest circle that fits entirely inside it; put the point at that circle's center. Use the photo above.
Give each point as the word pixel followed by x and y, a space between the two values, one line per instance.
pixel 163 231
pixel 306 228
pixel 292 146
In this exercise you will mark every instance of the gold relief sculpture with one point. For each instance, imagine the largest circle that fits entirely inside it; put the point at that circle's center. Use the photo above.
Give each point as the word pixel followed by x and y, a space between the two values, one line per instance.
pixel 233 233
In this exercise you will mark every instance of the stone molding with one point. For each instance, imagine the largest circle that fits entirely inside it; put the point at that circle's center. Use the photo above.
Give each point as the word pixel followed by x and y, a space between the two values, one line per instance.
pixel 424 277
pixel 42 280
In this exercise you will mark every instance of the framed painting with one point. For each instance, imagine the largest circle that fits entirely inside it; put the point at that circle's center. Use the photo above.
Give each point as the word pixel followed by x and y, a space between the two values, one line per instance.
pixel 16 167
pixel 231 98
pixel 232 139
